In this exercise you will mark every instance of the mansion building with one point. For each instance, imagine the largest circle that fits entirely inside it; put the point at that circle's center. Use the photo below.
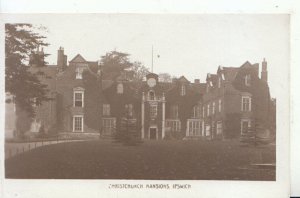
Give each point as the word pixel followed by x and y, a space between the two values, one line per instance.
pixel 85 105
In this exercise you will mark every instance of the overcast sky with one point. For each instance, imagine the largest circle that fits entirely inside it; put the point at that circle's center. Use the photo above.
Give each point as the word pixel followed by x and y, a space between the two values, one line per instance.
pixel 189 45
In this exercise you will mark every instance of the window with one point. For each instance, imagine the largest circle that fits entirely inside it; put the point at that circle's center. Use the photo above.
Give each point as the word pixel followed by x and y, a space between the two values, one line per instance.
pixel 120 88
pixel 207 130
pixel 207 87
pixel 245 125
pixel 174 111
pixel 78 123
pixel 219 127
pixel 194 127
pixel 213 108
pixel 129 110
pixel 208 110
pixel 109 125
pixel 246 103
pixel 248 80
pixel 182 91
pixel 34 102
pixel 196 112
pixel 219 82
pixel 151 95
pixel 220 105
pixel 79 73
pixel 153 111
pixel 106 109
pixel 78 99
pixel 174 125
pixel 203 111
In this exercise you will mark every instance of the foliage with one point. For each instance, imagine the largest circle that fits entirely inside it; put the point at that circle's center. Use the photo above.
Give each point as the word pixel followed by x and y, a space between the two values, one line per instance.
pixel 256 134
pixel 92 108
pixel 128 133
pixel 232 124
pixel 20 42
pixel 165 77
pixel 139 71
pixel 115 64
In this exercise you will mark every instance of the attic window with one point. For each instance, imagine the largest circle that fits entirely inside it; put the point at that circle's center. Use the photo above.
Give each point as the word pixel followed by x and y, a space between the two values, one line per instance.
pixel 79 73
pixel 120 88
pixel 182 90
pixel 248 80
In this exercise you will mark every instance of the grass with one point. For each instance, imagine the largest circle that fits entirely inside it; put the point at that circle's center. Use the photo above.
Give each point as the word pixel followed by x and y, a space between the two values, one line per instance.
pixel 205 160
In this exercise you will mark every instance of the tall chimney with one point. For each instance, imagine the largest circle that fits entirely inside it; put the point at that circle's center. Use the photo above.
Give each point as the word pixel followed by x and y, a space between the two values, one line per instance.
pixel 264 71
pixel 61 59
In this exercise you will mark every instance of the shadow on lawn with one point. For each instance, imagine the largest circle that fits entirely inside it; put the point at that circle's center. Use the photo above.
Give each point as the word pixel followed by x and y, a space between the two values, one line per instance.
pixel 168 160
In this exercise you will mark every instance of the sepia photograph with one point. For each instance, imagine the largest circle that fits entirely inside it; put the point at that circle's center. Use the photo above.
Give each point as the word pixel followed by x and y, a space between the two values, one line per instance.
pixel 144 96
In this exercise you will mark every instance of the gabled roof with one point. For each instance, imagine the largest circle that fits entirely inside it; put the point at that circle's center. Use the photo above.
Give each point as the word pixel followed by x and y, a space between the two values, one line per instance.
pixel 78 59
pixel 199 87
pixel 182 79
pixel 230 73
pixel 246 64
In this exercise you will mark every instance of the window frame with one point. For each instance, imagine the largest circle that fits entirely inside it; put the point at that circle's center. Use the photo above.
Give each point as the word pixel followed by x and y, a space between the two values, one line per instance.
pixel 74 123
pixel 106 109
pixel 248 80
pixel 208 109
pixel 78 73
pixel 182 90
pixel 174 124
pixel 120 88
pixel 194 127
pixel 249 125
pixel 82 98
pixel 249 104
pixel 153 114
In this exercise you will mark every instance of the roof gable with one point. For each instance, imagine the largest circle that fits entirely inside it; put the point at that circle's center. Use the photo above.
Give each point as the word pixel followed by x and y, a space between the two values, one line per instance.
pixel 78 59
pixel 182 79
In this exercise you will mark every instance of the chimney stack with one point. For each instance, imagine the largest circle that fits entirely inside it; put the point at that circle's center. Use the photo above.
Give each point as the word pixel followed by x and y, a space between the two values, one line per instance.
pixel 264 71
pixel 61 59
pixel 197 81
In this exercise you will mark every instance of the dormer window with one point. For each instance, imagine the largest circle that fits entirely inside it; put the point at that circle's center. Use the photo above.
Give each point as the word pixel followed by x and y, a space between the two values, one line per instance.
pixel 248 80
pixel 120 88
pixel 151 95
pixel 79 73
pixel 182 90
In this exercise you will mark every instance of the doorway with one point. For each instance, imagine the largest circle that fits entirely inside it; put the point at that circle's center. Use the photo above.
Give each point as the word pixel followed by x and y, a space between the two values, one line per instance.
pixel 153 133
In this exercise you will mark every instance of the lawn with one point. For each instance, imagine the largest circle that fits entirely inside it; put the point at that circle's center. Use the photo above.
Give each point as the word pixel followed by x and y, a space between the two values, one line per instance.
pixel 205 160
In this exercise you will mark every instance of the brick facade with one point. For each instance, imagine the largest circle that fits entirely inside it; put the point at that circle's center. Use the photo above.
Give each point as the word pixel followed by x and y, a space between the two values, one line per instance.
pixel 216 109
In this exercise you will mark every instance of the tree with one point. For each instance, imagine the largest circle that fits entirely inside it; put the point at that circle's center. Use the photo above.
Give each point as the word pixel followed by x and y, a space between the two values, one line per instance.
pixel 20 42
pixel 165 77
pixel 128 133
pixel 139 71
pixel 115 64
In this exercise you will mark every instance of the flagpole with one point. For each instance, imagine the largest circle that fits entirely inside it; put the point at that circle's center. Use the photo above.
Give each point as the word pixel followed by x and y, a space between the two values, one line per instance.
pixel 152 61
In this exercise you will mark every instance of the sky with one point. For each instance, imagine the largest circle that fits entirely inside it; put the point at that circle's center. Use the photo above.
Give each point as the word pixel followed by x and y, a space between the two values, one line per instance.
pixel 187 44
